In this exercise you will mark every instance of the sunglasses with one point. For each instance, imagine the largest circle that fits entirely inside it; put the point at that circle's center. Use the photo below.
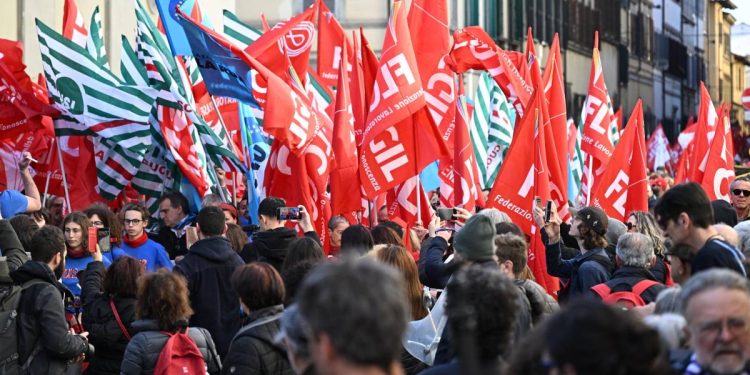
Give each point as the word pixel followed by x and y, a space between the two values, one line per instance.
pixel 630 225
pixel 743 192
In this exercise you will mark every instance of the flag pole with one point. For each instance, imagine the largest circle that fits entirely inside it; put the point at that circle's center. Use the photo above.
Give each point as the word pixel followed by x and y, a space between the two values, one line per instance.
pixel 62 170
pixel 590 180
pixel 419 199
pixel 46 189
pixel 224 128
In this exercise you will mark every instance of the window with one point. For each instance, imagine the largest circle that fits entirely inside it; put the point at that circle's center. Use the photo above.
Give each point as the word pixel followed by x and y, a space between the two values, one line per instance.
pixel 493 18
pixel 472 12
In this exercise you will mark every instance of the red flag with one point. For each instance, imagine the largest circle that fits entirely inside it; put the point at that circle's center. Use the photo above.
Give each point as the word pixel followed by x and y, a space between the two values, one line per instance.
pixel 11 54
pixel 554 92
pixel 357 92
pixel 74 27
pixel 704 134
pixel 20 110
pixel 345 186
pixel 331 41
pixel 391 151
pixel 623 185
pixel 293 37
pixel 681 170
pixel 402 202
pixel 175 128
pixel 474 49
pixel 370 67
pixel 719 170
pixel 658 149
pixel 523 177
pixel 467 192
pixel 618 118
pixel 430 36
pixel 598 118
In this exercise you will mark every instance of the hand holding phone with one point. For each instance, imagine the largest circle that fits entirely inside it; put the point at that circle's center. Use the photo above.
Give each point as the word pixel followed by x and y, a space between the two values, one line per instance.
pixel 105 240
pixel 548 211
pixel 446 213
pixel 289 213
pixel 191 236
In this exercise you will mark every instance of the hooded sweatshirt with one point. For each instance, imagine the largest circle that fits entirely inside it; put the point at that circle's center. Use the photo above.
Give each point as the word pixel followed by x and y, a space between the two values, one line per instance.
pixel 270 246
pixel 208 268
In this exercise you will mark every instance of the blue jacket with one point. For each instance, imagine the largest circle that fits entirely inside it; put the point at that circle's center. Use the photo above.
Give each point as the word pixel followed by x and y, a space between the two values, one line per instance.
pixel 583 271
pixel 151 254
pixel 208 268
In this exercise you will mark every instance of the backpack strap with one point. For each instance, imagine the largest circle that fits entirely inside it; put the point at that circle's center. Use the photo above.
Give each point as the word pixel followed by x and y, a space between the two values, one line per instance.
pixel 117 317
pixel 642 286
pixel 602 290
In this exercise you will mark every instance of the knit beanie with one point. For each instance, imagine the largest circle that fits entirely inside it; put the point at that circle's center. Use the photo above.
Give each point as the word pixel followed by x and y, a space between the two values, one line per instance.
pixel 476 240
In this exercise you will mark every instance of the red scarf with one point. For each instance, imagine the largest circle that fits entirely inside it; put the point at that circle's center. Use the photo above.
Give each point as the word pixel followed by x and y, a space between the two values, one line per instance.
pixel 76 253
pixel 136 242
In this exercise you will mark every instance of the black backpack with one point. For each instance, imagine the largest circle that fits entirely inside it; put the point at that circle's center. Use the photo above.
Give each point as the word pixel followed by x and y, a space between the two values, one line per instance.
pixel 9 299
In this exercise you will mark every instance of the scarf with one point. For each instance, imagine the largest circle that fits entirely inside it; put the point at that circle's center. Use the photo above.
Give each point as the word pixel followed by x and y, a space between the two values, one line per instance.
pixel 135 242
pixel 76 253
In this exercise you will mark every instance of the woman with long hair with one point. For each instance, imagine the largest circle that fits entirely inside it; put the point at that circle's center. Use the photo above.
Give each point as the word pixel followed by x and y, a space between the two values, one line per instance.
pixel 644 223
pixel 75 228
pixel 163 308
pixel 108 299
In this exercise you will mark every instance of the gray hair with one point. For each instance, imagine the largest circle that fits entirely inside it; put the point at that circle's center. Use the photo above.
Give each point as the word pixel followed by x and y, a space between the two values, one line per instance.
pixel 668 301
pixel 743 231
pixel 211 199
pixel 711 279
pixel 738 179
pixel 495 215
pixel 635 250
pixel 336 220
pixel 615 230
pixel 292 329
pixel 670 327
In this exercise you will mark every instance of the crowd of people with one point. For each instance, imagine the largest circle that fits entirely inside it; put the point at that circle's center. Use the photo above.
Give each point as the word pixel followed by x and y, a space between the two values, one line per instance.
pixel 665 292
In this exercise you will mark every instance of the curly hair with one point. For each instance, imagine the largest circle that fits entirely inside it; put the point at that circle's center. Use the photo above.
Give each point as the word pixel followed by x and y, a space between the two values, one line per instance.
pixel 400 259
pixel 109 219
pixel 646 224
pixel 122 276
pixel 164 297
pixel 591 240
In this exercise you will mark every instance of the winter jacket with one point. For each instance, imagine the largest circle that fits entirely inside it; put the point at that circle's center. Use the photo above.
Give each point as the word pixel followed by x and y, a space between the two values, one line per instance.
pixel 270 246
pixel 151 254
pixel 433 271
pixel 175 246
pixel 454 368
pixel 104 331
pixel 583 271
pixel 42 327
pixel 11 248
pixel 144 348
pixel 540 303
pixel 208 268
pixel 625 278
pixel 253 350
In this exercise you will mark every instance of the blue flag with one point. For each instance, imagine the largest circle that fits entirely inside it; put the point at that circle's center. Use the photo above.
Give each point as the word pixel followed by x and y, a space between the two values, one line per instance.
pixel 223 73
pixel 178 41
pixel 258 151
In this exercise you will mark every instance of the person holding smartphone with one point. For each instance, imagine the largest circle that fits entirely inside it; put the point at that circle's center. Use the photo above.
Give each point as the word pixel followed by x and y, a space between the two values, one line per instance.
pixel 136 243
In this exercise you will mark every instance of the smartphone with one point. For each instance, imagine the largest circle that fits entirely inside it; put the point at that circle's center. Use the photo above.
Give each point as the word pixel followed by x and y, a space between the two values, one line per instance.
pixel 92 239
pixel 105 240
pixel 288 213
pixel 446 213
pixel 548 211
pixel 191 236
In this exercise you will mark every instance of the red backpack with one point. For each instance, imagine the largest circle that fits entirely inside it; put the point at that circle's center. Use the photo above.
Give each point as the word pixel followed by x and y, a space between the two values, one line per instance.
pixel 180 355
pixel 627 299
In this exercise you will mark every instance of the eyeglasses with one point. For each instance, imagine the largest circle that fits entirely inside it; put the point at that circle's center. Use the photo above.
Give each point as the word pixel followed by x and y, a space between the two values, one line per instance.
pixel 132 222
pixel 743 192
pixel 713 329
pixel 630 225
pixel 97 223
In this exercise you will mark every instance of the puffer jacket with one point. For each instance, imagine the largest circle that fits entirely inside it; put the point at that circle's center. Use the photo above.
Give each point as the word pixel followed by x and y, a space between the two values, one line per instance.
pixel 42 327
pixel 253 350
pixel 144 348
pixel 541 303
pixel 104 332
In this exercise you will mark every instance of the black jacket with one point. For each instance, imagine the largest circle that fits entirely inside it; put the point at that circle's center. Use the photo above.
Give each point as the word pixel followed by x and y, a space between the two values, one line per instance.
pixel 144 349
pixel 582 272
pixel 541 304
pixel 625 277
pixel 175 246
pixel 270 246
pixel 208 268
pixel 42 327
pixel 253 350
pixel 104 332
pixel 433 271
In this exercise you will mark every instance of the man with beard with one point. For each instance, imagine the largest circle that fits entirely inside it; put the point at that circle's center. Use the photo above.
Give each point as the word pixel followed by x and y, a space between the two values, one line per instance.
pixel 716 305
pixel 44 341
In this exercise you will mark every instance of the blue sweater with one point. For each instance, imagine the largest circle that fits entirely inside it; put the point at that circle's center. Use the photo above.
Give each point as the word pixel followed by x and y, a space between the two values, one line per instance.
pixel 151 254
pixel 72 267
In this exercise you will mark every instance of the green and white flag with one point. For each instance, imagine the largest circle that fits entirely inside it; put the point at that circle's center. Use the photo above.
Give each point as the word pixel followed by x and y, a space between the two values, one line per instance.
pixel 92 100
pixel 575 170
pixel 491 129
pixel 95 40
pixel 239 32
